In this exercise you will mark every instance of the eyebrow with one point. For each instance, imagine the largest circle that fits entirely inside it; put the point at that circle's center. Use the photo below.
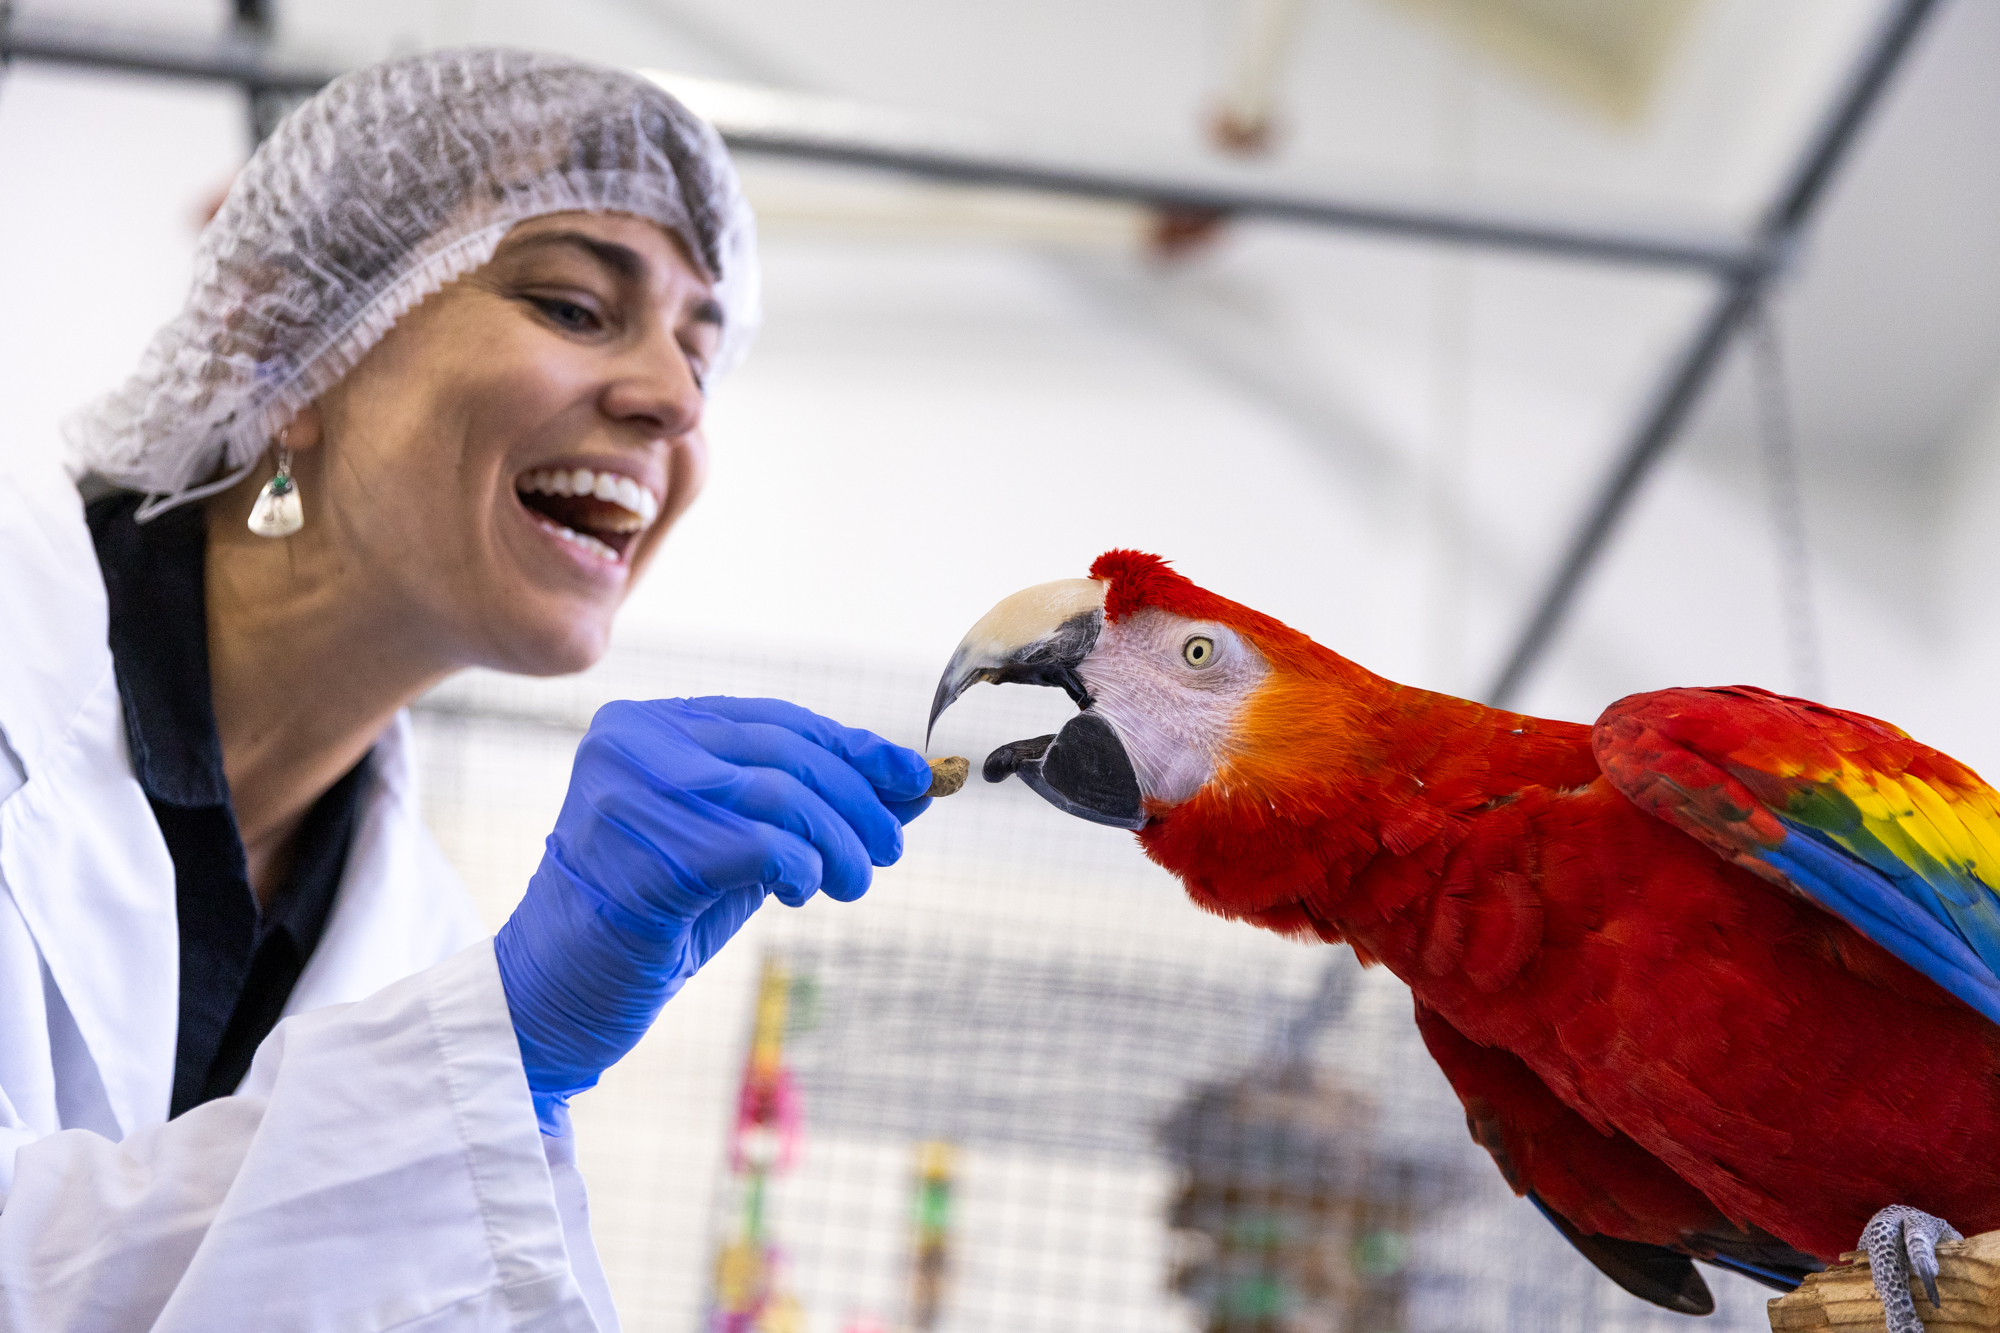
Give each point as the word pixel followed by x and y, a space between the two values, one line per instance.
pixel 622 260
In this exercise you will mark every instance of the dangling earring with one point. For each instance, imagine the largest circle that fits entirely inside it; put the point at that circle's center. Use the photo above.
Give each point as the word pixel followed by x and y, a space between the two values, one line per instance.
pixel 277 512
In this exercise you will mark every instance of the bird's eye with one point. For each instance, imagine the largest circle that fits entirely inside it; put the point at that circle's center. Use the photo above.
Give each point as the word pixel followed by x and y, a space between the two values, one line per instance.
pixel 1198 651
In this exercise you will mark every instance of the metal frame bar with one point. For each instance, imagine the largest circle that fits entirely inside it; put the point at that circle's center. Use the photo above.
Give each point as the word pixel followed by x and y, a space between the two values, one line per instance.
pixel 1492 232
pixel 235 58
pixel 1745 271
pixel 1777 237
pixel 819 129
pixel 861 138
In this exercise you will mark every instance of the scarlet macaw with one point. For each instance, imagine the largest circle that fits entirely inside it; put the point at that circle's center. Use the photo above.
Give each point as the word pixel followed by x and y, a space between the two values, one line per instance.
pixel 1714 979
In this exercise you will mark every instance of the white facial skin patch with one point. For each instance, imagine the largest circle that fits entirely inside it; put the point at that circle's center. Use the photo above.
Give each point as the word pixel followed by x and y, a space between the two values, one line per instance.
pixel 1172 689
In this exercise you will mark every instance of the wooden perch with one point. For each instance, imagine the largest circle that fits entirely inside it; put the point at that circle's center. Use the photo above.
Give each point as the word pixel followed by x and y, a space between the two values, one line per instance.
pixel 1844 1297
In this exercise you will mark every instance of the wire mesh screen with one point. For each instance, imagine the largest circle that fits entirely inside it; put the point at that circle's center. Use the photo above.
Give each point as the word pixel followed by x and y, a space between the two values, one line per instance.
pixel 1023 1085
pixel 1073 1056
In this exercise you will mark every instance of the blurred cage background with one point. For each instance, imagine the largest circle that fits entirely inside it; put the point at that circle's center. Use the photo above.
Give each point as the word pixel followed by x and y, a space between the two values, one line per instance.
pixel 1022 1085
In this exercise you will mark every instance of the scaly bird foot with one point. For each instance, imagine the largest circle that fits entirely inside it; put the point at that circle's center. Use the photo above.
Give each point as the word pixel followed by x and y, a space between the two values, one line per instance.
pixel 1901 1241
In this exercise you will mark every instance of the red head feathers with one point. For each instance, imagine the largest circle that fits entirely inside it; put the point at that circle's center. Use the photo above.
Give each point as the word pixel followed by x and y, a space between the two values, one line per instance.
pixel 1138 580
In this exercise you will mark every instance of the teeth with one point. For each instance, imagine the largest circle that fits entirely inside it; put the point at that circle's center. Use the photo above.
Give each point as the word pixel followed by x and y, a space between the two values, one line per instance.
pixel 585 540
pixel 640 504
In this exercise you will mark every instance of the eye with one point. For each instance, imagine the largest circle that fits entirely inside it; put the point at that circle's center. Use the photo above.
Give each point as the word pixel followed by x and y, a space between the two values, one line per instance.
pixel 1198 651
pixel 569 314
pixel 697 365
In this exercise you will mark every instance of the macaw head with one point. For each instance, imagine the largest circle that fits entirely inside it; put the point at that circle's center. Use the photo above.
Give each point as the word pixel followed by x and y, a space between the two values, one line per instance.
pixel 1182 692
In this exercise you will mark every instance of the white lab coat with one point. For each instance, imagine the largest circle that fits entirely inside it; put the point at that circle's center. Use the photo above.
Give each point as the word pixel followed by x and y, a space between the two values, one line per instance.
pixel 379 1168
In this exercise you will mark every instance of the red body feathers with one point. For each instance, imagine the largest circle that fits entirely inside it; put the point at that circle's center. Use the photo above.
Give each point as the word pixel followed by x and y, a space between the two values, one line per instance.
pixel 1660 1044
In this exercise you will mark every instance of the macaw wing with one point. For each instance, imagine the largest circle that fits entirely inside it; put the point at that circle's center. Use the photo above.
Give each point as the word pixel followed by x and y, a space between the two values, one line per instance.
pixel 1896 839
pixel 1600 1189
pixel 1667 1277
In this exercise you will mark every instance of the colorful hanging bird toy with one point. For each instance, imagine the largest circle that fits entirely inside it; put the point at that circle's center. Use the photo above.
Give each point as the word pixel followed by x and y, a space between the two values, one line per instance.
pixel 748 1297
pixel 930 1235
pixel 1717 978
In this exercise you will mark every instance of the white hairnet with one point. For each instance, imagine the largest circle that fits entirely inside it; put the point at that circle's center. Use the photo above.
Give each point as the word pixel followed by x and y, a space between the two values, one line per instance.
pixel 385 186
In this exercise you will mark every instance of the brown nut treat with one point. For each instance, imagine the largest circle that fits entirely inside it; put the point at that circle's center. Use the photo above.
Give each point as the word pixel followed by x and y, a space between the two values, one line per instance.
pixel 948 774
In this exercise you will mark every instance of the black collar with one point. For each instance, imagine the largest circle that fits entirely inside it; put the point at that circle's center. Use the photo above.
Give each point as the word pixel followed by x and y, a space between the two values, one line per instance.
pixel 237 967
pixel 154 578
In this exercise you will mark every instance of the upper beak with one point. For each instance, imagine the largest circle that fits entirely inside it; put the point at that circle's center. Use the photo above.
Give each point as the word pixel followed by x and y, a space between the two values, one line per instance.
pixel 1036 637
pixel 1039 636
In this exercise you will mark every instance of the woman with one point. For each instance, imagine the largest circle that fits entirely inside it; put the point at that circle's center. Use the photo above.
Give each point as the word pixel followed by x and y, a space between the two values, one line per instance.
pixel 434 401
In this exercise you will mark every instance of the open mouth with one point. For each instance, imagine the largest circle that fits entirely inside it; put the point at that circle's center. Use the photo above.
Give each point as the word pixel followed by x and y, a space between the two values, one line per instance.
pixel 601 512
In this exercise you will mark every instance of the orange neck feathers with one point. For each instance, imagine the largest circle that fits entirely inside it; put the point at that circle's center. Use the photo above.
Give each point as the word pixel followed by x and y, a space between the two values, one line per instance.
pixel 1331 769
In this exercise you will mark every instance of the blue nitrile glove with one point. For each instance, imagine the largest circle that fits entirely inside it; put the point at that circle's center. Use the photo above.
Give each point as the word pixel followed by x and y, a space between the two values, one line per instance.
pixel 681 815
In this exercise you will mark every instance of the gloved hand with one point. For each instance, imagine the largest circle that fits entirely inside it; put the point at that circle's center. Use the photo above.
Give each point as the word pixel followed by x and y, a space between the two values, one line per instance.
pixel 681 815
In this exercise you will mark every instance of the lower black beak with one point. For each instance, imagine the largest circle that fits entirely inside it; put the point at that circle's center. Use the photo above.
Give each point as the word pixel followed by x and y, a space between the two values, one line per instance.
pixel 1082 770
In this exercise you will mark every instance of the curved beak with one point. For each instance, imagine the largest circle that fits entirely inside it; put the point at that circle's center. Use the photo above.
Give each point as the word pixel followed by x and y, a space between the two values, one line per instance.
pixel 1040 636
pixel 1036 637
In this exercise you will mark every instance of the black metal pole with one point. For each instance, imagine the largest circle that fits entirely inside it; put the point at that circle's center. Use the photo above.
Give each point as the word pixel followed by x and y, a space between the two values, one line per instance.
pixel 241 59
pixel 226 60
pixel 1777 235
pixel 251 20
pixel 1494 233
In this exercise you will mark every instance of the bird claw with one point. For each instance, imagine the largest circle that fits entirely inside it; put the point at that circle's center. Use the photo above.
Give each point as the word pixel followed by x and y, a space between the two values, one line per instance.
pixel 1901 1241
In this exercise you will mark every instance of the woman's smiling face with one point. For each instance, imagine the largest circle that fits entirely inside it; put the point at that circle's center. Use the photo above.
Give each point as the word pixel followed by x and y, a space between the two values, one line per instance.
pixel 505 462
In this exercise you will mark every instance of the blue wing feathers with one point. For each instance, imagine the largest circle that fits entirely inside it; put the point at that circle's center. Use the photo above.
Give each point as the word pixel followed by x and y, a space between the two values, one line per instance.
pixel 1777 1279
pixel 1902 912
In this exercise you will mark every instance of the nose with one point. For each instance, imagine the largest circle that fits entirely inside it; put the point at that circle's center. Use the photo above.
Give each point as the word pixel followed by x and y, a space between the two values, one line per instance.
pixel 653 387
